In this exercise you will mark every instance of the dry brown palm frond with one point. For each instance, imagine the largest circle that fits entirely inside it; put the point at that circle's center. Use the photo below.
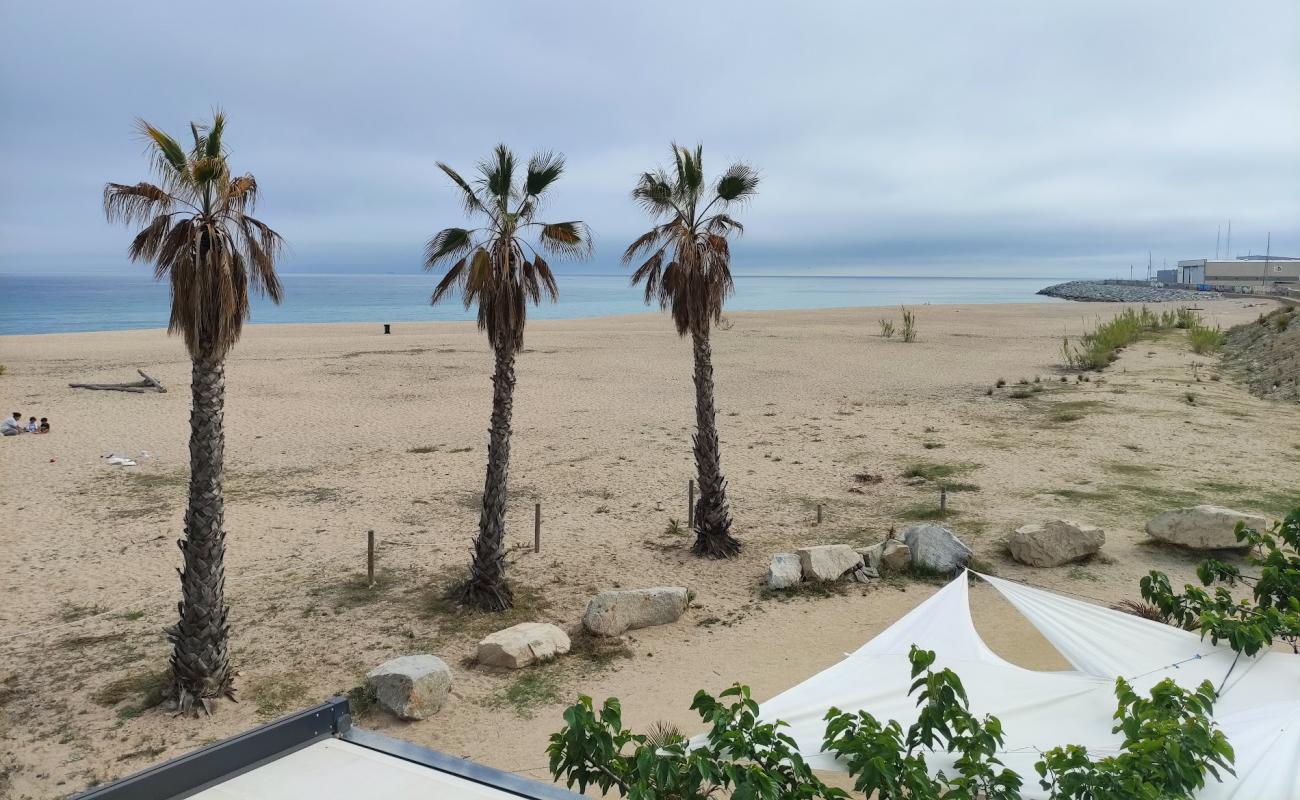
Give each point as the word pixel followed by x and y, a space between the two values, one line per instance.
pixel 1139 609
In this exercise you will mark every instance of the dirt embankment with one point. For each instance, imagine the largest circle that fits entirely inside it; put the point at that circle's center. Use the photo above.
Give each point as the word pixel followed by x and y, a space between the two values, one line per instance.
pixel 1265 354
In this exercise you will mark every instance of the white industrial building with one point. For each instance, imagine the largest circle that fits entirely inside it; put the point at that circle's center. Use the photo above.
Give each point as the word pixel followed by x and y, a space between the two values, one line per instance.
pixel 1250 272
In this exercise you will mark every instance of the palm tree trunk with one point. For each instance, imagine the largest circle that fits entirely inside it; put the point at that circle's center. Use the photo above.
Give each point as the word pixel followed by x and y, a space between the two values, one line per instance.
pixel 200 666
pixel 487 588
pixel 712 519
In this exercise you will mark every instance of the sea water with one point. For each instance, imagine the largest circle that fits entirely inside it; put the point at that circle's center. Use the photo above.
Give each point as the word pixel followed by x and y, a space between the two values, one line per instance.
pixel 31 303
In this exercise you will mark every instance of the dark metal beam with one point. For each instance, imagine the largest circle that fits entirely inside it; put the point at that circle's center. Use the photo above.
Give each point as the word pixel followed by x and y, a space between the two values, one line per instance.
pixel 193 772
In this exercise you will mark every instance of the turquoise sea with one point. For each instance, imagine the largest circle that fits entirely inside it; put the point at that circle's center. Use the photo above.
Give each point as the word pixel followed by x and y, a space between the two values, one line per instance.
pixel 33 303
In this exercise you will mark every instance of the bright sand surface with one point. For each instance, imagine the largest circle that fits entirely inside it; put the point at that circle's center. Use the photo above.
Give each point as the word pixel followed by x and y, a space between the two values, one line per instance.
pixel 324 423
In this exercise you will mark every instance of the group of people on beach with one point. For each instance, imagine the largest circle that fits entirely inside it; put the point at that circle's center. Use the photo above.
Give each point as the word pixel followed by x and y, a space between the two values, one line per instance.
pixel 12 426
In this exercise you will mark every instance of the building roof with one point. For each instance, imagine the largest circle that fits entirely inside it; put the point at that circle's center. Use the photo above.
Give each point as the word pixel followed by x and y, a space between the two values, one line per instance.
pixel 316 754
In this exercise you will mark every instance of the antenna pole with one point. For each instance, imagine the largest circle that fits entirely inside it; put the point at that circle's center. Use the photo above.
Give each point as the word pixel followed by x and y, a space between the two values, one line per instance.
pixel 1268 251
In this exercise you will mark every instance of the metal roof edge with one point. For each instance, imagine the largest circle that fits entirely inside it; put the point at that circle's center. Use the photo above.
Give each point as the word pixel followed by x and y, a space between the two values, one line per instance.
pixel 460 767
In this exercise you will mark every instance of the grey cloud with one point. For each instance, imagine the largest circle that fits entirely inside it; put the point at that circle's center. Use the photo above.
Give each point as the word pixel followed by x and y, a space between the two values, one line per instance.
pixel 1001 135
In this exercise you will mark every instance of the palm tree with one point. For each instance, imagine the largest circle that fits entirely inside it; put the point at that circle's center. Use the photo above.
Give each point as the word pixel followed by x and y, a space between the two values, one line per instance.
pixel 494 267
pixel 195 228
pixel 688 270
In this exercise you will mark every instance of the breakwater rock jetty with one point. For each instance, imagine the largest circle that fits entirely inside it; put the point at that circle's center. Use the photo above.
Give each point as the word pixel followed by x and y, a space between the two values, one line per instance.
pixel 1103 292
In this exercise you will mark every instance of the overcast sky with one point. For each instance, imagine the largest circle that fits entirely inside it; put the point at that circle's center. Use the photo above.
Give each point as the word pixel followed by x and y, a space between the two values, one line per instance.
pixel 1032 138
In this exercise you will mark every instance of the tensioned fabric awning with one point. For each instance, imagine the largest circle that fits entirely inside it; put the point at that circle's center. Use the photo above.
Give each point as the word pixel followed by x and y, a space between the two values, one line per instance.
pixel 1258 707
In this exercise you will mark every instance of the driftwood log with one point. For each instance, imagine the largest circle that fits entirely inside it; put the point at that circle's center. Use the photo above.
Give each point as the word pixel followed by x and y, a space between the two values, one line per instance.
pixel 148 384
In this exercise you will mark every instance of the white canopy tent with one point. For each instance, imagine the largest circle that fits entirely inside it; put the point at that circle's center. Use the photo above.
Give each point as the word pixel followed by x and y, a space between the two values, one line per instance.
pixel 1258 707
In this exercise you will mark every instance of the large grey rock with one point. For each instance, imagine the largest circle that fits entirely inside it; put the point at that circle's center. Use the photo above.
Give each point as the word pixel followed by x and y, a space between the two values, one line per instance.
pixel 522 644
pixel 613 613
pixel 935 547
pixel 1203 527
pixel 827 562
pixel 784 571
pixel 412 687
pixel 1054 542
pixel 890 555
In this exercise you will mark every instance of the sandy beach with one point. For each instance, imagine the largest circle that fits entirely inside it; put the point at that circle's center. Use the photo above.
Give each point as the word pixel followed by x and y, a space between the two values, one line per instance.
pixel 333 430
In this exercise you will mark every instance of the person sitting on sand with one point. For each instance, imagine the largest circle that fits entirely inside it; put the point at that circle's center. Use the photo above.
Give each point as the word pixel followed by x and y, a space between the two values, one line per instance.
pixel 45 425
pixel 31 425
pixel 12 426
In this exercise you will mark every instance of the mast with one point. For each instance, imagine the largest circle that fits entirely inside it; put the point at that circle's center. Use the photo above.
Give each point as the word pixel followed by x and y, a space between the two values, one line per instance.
pixel 1218 231
pixel 1268 251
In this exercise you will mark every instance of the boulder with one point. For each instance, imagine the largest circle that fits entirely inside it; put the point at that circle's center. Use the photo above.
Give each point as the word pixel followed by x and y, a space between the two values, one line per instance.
pixel 1054 542
pixel 890 555
pixel 827 562
pixel 935 547
pixel 1203 527
pixel 412 687
pixel 613 613
pixel 522 644
pixel 784 571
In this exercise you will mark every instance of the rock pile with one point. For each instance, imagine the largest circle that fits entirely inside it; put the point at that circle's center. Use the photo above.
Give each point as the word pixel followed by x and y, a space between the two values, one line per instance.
pixel 827 563
pixel 1097 292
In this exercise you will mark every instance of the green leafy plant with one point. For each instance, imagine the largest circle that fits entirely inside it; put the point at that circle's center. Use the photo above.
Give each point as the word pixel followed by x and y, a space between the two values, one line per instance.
pixel 1170 744
pixel 1248 626
pixel 887 328
pixel 888 763
pixel 742 757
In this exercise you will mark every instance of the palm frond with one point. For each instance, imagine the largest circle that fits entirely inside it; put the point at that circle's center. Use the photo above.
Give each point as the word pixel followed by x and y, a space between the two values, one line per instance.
pixel 136 203
pixel 240 194
pixel 738 184
pixel 654 192
pixel 571 239
pixel 722 225
pixel 149 240
pixel 264 247
pixel 499 174
pixel 468 198
pixel 543 170
pixel 445 244
pixel 546 278
pixel 452 280
pixel 169 157
pixel 650 273
pixel 643 243
pixel 212 142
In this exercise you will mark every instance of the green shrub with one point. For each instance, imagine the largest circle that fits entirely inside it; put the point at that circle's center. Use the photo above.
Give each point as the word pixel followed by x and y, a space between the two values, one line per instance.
pixel 887 328
pixel 1099 348
pixel 1203 339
